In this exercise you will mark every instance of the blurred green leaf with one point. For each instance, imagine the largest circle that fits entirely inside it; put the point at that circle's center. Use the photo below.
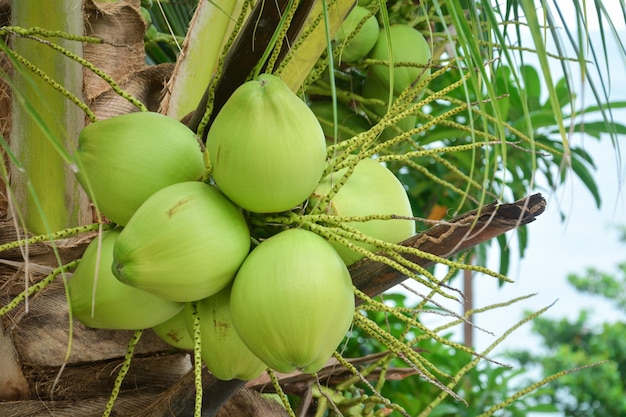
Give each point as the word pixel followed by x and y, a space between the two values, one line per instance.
pixel 587 178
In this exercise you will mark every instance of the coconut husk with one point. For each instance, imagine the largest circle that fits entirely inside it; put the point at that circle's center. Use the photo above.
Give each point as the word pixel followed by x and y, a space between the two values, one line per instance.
pixel 122 56
pixel 146 85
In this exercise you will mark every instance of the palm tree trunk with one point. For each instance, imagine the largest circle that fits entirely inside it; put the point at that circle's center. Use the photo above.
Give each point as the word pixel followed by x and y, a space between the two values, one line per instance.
pixel 47 194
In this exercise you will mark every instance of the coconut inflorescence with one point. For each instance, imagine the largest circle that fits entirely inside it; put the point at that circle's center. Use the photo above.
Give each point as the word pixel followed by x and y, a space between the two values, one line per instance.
pixel 282 299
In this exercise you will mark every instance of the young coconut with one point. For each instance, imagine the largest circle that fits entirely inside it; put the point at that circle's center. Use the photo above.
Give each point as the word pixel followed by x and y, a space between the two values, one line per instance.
pixel 223 351
pixel 408 45
pixel 362 41
pixel 184 243
pixel 112 305
pixel 174 331
pixel 266 147
pixel 371 189
pixel 292 301
pixel 123 160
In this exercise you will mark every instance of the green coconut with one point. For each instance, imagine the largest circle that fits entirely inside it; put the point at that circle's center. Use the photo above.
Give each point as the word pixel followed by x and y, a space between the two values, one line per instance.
pixel 292 301
pixel 184 243
pixel 362 41
pixel 266 147
pixel 99 300
pixel 174 331
pixel 223 351
pixel 371 189
pixel 123 160
pixel 408 45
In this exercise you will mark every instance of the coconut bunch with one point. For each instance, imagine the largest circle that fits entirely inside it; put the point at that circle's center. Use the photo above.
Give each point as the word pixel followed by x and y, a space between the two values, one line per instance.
pixel 364 57
pixel 183 241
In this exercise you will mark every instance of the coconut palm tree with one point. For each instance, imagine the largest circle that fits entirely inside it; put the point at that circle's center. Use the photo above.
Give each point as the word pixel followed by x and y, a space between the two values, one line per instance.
pixel 474 123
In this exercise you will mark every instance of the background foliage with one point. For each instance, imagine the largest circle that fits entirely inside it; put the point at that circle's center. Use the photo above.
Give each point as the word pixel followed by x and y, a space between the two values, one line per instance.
pixel 587 338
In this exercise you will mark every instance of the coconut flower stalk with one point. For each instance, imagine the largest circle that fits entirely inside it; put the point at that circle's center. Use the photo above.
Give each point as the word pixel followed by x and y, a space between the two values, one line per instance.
pixel 210 28
pixel 295 49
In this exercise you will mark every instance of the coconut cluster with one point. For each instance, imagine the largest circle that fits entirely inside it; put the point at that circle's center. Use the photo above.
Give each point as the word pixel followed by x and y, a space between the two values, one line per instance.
pixel 285 303
pixel 382 62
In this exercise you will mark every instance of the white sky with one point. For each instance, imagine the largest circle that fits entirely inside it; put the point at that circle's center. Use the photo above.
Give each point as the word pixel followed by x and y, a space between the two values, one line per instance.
pixel 612 7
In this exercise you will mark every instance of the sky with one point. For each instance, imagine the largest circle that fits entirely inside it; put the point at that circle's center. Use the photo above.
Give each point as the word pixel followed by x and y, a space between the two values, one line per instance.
pixel 586 238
